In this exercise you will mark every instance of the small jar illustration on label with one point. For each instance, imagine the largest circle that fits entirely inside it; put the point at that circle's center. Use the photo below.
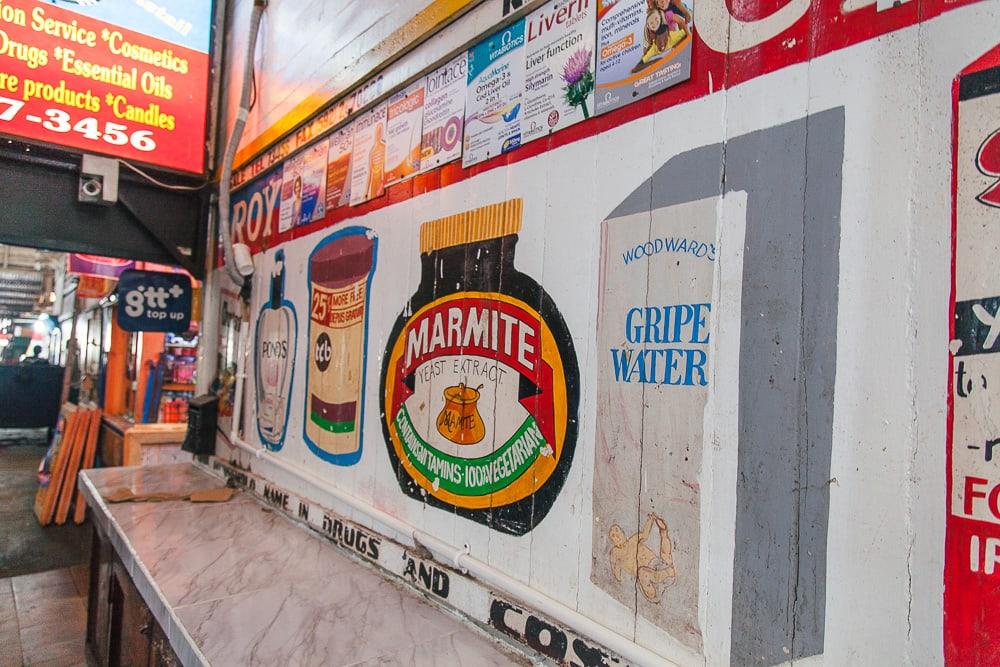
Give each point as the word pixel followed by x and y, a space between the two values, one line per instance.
pixel 460 420
pixel 274 360
pixel 480 383
pixel 340 272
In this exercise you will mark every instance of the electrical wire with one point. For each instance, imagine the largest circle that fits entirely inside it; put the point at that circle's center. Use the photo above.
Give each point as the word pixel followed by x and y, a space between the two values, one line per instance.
pixel 151 179
pixel 253 92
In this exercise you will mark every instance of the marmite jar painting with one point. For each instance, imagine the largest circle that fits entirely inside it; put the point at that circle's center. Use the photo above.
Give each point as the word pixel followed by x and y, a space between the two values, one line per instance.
pixel 274 362
pixel 479 386
pixel 340 273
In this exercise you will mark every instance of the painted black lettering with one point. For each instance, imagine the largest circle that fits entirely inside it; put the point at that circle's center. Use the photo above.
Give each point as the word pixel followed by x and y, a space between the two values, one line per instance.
pixel 441 583
pixel 545 638
pixel 424 574
pixel 498 617
pixel 590 656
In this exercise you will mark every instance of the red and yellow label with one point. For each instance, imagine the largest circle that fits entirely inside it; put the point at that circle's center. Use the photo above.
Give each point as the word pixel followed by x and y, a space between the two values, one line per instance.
pixel 504 357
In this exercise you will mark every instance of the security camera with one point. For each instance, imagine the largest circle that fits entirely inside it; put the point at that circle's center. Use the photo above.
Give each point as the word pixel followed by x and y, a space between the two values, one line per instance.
pixel 91 186
pixel 243 259
pixel 98 180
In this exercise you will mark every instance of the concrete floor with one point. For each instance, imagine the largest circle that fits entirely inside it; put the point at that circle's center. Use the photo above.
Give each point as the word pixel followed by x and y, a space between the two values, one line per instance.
pixel 43 572
pixel 43 619
pixel 26 547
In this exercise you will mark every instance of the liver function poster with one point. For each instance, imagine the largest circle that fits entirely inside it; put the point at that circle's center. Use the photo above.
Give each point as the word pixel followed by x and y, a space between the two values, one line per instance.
pixel 303 188
pixel 559 73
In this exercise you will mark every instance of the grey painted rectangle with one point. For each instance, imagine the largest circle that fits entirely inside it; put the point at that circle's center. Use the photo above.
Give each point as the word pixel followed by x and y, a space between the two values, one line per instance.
pixel 787 369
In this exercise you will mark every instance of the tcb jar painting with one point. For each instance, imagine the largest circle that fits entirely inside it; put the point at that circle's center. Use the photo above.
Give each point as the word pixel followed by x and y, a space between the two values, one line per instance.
pixel 340 271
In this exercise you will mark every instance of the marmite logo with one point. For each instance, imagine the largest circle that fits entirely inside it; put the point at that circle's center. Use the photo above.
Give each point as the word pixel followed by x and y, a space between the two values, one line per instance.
pixel 476 408
pixel 460 420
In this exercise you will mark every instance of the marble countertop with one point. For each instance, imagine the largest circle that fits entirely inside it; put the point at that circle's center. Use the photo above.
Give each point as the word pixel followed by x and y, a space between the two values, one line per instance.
pixel 237 584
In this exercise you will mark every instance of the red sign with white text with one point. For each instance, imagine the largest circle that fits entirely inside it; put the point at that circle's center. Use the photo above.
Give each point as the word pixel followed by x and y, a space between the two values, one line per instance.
pixel 128 80
pixel 972 542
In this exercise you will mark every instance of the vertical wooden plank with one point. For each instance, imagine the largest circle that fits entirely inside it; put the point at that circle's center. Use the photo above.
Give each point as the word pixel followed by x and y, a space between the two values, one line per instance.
pixel 80 506
pixel 45 498
pixel 86 441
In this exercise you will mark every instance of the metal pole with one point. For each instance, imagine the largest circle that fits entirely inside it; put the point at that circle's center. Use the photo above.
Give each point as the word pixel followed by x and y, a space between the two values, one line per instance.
pixel 71 351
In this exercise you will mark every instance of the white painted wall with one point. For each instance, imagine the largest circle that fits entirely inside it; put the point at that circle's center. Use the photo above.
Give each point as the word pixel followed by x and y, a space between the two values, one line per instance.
pixel 887 487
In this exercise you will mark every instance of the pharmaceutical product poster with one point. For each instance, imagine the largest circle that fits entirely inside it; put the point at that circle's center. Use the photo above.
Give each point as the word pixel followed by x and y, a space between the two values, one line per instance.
pixel 559 67
pixel 643 46
pixel 494 95
pixel 338 168
pixel 368 157
pixel 444 114
pixel 303 188
pixel 403 125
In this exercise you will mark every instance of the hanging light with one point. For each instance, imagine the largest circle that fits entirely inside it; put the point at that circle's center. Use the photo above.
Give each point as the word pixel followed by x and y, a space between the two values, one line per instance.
pixel 42 324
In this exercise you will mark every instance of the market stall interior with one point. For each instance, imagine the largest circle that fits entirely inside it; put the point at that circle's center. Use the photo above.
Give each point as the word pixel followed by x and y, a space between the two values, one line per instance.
pixel 77 391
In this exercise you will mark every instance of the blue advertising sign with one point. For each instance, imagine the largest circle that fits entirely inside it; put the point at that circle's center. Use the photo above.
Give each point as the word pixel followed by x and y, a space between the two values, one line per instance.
pixel 154 301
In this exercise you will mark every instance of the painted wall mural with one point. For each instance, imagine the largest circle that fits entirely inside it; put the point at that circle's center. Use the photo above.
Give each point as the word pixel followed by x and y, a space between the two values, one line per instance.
pixel 660 333
pixel 275 345
pixel 972 596
pixel 479 387
pixel 653 336
pixel 653 372
pixel 340 274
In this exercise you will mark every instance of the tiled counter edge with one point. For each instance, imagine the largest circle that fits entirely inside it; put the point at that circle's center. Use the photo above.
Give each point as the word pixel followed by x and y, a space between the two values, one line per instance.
pixel 453 591
pixel 181 642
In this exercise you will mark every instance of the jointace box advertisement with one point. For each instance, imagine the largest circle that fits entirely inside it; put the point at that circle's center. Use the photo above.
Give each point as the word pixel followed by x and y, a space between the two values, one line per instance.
pixel 444 114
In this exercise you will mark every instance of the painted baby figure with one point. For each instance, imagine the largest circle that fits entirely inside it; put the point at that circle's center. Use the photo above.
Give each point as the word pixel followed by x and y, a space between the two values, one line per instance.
pixel 634 557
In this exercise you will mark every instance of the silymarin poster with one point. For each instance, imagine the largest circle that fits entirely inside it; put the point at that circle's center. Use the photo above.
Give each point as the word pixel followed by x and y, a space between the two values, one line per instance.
pixel 559 74
pixel 653 330
pixel 643 46
pixel 368 156
pixel 444 114
pixel 338 167
pixel 403 125
pixel 303 188
pixel 494 95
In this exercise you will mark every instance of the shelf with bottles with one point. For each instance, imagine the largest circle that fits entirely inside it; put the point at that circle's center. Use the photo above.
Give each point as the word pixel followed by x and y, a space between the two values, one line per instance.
pixel 173 407
pixel 180 359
